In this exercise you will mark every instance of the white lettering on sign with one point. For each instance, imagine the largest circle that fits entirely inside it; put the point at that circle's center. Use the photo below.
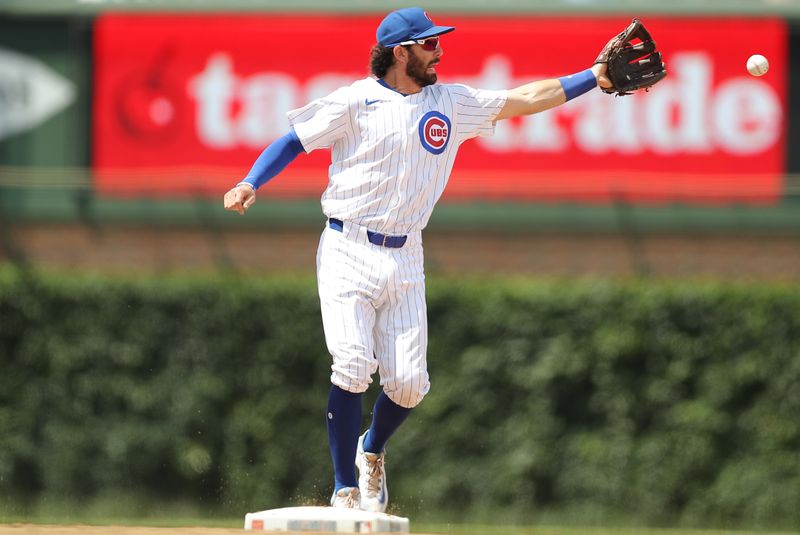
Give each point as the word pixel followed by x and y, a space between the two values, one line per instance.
pixel 687 113
pixel 263 101
pixel 30 92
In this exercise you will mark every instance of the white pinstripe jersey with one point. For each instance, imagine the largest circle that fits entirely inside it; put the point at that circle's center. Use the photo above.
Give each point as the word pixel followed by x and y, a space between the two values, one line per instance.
pixel 391 154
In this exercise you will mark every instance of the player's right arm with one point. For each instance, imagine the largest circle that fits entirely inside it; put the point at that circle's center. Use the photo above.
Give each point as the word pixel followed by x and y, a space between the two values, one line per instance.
pixel 542 95
pixel 272 161
pixel 316 125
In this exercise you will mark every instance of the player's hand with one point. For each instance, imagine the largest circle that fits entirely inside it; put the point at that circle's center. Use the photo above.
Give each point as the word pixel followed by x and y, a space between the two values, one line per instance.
pixel 600 70
pixel 239 198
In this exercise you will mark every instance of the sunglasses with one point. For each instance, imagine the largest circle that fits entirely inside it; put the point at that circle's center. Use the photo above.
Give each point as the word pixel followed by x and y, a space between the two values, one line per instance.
pixel 430 44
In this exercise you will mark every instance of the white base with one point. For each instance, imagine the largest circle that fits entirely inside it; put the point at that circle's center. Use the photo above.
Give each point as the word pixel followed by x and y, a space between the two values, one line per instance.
pixel 325 519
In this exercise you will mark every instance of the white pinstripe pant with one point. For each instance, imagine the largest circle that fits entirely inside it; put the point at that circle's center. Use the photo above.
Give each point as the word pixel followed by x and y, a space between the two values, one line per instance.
pixel 374 313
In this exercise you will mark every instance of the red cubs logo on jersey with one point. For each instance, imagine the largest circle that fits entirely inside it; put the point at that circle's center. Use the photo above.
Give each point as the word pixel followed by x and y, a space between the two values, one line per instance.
pixel 434 131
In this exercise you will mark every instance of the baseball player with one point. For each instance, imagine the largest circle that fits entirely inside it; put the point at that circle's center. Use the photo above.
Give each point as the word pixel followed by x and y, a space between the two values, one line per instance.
pixel 393 138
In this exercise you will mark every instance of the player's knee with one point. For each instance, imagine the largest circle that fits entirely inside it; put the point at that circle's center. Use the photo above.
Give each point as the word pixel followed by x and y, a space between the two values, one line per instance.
pixel 352 370
pixel 349 382
pixel 408 393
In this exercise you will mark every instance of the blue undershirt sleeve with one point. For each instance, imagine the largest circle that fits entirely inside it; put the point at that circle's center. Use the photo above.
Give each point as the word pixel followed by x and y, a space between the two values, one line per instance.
pixel 274 159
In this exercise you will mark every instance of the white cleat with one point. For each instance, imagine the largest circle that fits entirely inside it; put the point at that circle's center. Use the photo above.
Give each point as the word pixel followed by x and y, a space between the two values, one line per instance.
pixel 346 498
pixel 371 479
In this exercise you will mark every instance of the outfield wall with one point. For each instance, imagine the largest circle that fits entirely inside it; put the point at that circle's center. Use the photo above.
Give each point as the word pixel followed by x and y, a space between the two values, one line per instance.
pixel 108 108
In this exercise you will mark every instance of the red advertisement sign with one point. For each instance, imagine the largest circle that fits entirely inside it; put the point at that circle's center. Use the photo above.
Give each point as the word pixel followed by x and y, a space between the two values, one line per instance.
pixel 184 104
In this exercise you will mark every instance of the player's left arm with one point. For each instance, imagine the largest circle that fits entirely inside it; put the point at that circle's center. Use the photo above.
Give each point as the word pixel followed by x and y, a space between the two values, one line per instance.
pixel 545 94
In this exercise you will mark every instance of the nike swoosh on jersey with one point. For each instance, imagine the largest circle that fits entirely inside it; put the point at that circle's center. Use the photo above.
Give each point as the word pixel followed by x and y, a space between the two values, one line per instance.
pixel 368 101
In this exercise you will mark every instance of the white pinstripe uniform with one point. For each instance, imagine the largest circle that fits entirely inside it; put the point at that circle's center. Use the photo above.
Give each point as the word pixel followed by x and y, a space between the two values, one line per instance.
pixel 391 157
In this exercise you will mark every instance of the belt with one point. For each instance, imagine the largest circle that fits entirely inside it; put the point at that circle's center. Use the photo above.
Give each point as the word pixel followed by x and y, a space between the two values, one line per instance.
pixel 393 242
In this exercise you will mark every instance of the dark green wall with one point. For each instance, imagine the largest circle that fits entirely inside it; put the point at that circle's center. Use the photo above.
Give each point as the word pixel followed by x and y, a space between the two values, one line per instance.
pixel 63 45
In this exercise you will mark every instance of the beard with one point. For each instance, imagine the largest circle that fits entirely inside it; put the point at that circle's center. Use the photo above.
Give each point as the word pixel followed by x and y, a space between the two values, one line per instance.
pixel 415 69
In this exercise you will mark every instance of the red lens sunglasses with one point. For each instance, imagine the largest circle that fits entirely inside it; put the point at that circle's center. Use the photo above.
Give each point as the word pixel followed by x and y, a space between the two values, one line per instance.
pixel 430 44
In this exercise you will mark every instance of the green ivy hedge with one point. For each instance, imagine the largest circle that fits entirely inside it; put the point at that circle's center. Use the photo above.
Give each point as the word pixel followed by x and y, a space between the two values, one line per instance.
pixel 639 402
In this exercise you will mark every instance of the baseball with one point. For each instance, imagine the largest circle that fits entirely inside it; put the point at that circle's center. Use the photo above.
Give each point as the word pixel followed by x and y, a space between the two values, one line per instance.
pixel 757 65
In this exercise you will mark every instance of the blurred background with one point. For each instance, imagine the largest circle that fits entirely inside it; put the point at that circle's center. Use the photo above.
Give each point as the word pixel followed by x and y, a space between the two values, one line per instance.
pixel 615 324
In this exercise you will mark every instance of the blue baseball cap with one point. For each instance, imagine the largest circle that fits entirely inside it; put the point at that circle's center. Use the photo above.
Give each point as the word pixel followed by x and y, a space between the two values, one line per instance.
pixel 408 24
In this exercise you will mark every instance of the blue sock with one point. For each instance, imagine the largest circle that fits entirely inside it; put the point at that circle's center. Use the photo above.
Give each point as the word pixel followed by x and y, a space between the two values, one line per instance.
pixel 344 424
pixel 386 418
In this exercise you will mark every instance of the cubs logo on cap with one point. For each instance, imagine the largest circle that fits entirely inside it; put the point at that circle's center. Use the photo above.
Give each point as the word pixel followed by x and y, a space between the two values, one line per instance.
pixel 434 131
pixel 408 24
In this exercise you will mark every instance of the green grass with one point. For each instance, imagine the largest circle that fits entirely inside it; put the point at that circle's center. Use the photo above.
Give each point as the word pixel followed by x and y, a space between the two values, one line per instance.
pixel 188 515
pixel 475 529
pixel 133 512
